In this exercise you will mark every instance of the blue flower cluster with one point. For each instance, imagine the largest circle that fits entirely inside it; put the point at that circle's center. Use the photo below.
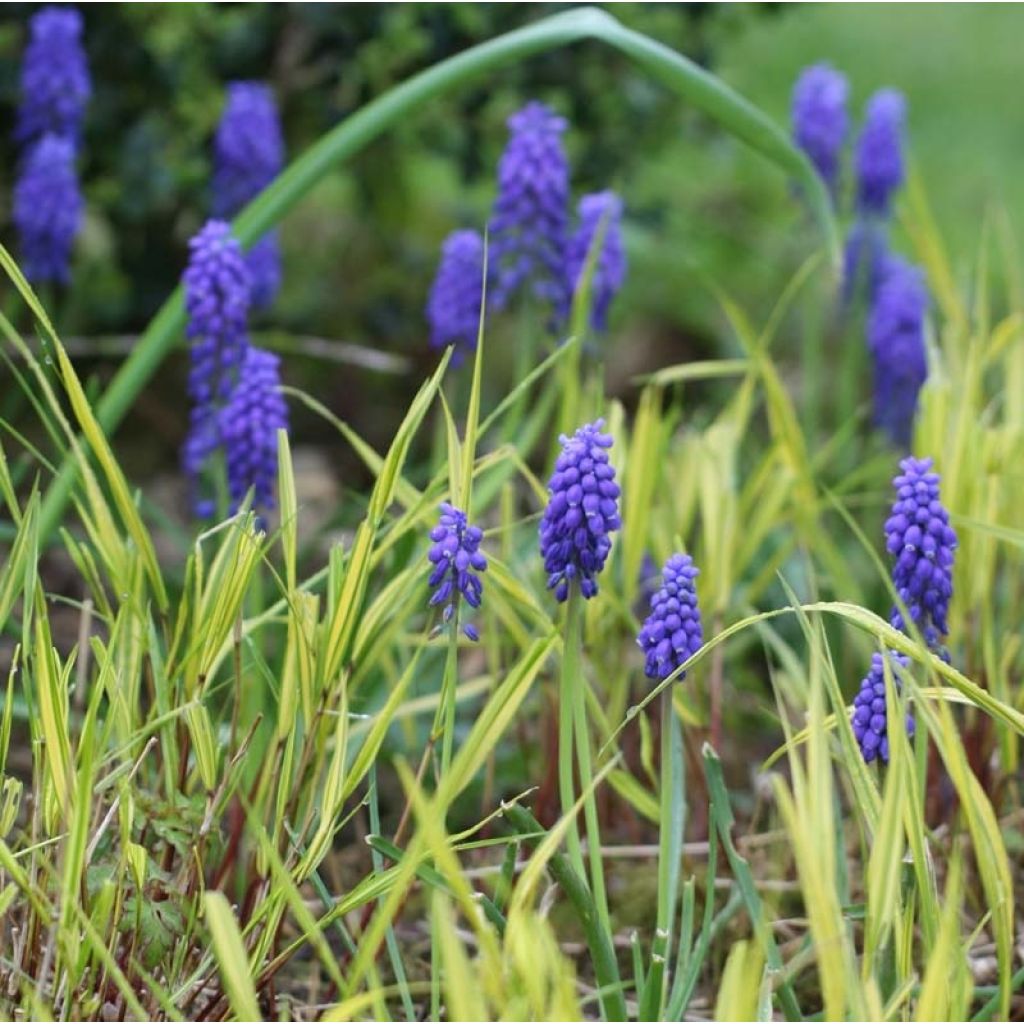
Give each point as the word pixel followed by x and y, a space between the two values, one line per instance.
pixel 453 309
pixel 47 209
pixel 896 341
pixel 869 711
pixel 249 422
pixel 55 85
pixel 581 514
pixel 672 632
pixel 531 239
pixel 880 153
pixel 234 388
pixel 919 537
pixel 457 559
pixel 922 542
pixel 264 262
pixel 819 117
pixel 55 89
pixel 599 210
pixel 529 227
pixel 217 303
pixel 248 154
pixel 821 124
pixel 896 292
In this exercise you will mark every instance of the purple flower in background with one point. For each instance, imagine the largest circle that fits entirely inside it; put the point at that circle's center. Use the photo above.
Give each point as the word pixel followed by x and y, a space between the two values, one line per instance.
pixel 530 222
pixel 248 148
pixel 896 339
pixel 453 309
pixel 647 582
pixel 869 711
pixel 47 209
pixel 820 121
pixel 264 263
pixel 880 152
pixel 55 84
pixel 672 632
pixel 248 152
pixel 595 210
pixel 581 513
pixel 919 537
pixel 457 559
pixel 217 289
pixel 249 423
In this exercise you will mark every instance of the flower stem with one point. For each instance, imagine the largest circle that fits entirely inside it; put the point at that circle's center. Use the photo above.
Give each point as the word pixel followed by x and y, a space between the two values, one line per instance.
pixel 590 805
pixel 571 683
pixel 573 884
pixel 446 708
pixel 574 731
pixel 673 819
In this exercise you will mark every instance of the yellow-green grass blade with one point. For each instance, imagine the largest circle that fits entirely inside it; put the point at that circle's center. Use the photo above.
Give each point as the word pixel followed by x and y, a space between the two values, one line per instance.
pixel 231 956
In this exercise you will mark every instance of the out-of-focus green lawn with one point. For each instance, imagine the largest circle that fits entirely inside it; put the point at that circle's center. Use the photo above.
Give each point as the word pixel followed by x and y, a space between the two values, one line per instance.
pixel 705 207
pixel 959 66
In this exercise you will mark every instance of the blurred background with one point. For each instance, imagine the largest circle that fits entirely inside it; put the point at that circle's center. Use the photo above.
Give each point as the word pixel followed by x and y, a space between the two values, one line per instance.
pixel 361 250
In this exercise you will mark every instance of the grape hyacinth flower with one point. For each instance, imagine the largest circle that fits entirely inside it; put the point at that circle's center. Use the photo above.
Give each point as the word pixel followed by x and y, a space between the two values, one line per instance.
pixel 879 155
pixel 530 222
pixel 264 262
pixel 896 339
pixel 672 632
pixel 920 538
pixel 647 581
pixel 248 148
pixel 217 303
pixel 820 120
pixel 595 210
pixel 457 560
pixel 55 85
pixel 869 710
pixel 453 309
pixel 581 513
pixel 249 423
pixel 248 154
pixel 47 210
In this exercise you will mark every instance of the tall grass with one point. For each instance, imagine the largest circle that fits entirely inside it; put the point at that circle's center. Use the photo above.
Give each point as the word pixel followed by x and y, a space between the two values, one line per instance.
pixel 249 786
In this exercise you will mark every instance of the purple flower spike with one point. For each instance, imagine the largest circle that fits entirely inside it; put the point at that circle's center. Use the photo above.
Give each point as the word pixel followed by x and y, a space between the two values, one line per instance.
pixel 880 153
pixel 582 512
pixel 264 263
pixel 249 423
pixel 248 154
pixel 672 632
pixel 457 560
pixel 869 711
pixel 820 120
pixel 530 222
pixel 55 85
pixel 217 289
pixel 896 339
pixel 453 309
pixel 610 269
pixel 248 148
pixel 47 210
pixel 919 537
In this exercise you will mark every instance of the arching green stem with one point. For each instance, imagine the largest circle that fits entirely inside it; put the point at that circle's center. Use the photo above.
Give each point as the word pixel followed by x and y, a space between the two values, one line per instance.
pixel 693 83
